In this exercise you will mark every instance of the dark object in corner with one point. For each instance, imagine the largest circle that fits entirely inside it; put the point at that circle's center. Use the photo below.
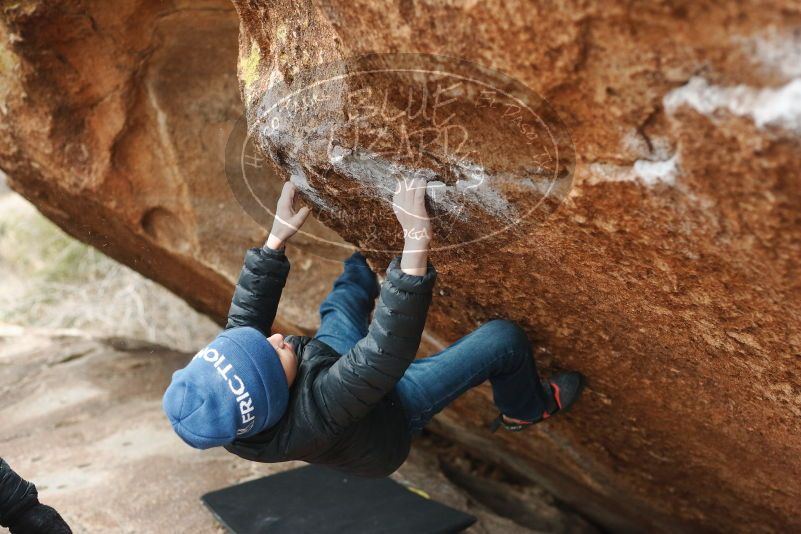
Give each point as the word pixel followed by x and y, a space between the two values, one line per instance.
pixel 20 509
pixel 314 499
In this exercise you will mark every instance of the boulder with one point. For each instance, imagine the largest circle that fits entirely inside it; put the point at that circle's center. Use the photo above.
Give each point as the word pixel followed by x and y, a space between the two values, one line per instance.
pixel 621 180
pixel 115 117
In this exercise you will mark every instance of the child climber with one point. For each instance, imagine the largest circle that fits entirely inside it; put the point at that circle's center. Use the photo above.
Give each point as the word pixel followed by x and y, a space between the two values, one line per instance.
pixel 352 396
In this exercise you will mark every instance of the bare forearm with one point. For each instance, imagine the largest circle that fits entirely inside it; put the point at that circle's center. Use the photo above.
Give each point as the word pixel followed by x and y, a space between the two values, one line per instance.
pixel 274 242
pixel 287 221
pixel 415 257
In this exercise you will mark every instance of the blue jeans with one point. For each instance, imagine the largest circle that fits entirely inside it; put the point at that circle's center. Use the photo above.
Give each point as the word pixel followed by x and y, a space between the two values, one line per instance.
pixel 498 351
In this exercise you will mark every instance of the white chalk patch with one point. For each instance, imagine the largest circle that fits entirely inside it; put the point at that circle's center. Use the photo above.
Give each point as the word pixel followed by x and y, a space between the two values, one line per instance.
pixel 608 172
pixel 646 172
pixel 436 190
pixel 298 177
pixel 338 153
pixel 660 148
pixel 655 172
pixel 475 184
pixel 374 172
pixel 633 141
pixel 766 107
pixel 776 49
pixel 381 176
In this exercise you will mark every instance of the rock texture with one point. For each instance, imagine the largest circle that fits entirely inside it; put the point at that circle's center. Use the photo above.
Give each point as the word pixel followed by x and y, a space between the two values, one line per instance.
pixel 662 261
pixel 115 117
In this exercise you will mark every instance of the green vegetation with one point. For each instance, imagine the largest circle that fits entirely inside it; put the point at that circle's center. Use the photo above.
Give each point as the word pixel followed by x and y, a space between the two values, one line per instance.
pixel 48 279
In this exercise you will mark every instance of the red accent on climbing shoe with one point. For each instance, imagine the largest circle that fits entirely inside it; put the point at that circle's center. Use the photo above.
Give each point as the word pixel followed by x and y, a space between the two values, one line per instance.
pixel 556 395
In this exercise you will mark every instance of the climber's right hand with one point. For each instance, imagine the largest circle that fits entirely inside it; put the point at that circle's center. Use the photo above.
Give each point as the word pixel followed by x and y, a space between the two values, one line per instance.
pixel 287 220
pixel 409 205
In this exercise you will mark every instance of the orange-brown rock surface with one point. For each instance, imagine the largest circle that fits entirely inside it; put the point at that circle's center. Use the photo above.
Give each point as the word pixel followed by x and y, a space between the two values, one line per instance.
pixel 114 120
pixel 659 253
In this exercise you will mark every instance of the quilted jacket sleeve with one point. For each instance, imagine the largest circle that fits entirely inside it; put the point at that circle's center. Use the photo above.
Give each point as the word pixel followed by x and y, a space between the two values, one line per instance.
pixel 348 390
pixel 258 290
pixel 16 494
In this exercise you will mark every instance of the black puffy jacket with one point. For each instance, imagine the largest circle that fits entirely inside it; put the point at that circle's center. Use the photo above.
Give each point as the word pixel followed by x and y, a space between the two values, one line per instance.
pixel 16 495
pixel 343 411
pixel 20 509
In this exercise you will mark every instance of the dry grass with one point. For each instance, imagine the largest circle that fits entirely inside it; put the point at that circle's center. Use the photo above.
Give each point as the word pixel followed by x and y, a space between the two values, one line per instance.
pixel 48 279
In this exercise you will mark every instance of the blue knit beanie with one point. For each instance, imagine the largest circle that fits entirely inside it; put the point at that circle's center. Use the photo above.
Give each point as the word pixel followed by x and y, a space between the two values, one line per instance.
pixel 233 388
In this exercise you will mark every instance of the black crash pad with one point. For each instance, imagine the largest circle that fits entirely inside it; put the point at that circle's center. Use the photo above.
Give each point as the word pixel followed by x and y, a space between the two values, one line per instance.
pixel 315 499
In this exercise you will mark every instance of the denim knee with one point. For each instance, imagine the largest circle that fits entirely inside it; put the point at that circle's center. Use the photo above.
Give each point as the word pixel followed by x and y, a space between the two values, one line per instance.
pixel 512 334
pixel 358 271
pixel 356 258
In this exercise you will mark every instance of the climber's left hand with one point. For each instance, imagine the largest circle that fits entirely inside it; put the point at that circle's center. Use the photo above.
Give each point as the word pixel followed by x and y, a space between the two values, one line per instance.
pixel 288 220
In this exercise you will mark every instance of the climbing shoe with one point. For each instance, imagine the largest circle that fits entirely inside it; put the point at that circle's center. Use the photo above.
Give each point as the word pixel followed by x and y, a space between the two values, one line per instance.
pixel 562 390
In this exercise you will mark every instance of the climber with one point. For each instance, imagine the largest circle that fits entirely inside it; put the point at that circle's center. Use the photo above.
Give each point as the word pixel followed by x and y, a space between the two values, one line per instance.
pixel 352 396
pixel 20 509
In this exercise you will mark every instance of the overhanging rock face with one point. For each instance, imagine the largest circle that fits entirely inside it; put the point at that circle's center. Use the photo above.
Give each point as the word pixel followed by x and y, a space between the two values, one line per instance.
pixel 636 210
pixel 667 271
pixel 115 118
